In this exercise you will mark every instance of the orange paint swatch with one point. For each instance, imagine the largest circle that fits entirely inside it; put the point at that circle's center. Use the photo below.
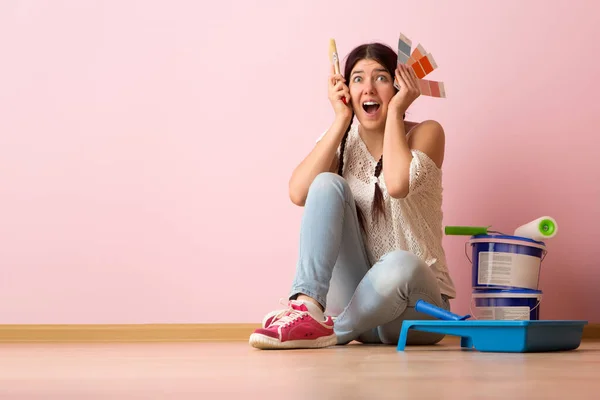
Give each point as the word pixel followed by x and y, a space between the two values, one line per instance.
pixel 424 66
pixel 418 70
pixel 417 53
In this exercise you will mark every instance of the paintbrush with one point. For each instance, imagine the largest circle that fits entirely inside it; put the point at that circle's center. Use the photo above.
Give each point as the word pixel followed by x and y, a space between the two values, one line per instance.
pixel 334 58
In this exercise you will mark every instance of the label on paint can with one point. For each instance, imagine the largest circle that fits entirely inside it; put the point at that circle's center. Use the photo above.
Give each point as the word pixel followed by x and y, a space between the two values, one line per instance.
pixel 508 269
pixel 503 313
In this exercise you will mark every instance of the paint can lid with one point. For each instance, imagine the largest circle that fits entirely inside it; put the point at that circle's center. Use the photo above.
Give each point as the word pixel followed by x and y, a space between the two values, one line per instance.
pixel 508 239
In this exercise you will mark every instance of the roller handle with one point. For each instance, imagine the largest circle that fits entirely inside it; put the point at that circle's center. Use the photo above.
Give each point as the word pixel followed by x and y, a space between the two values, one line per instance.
pixel 437 312
pixel 466 230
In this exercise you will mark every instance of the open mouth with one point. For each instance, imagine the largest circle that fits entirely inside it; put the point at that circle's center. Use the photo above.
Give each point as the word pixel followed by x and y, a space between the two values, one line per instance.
pixel 370 107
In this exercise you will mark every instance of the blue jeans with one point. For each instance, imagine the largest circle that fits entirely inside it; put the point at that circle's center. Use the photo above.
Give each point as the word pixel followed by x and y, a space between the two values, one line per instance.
pixel 370 302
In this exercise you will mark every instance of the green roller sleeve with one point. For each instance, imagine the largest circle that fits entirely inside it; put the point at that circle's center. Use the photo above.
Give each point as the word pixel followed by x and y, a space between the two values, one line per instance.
pixel 466 230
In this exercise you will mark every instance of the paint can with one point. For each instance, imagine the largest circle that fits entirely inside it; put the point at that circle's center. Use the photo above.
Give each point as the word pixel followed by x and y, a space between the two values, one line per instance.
pixel 505 262
pixel 508 305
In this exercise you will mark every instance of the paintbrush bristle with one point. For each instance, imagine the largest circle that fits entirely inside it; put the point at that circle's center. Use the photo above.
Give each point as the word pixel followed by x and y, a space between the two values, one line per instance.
pixel 332 47
pixel 333 55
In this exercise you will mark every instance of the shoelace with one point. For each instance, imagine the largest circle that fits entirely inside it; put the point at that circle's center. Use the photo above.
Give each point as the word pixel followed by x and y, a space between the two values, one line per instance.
pixel 286 303
pixel 289 315
pixel 289 318
pixel 280 314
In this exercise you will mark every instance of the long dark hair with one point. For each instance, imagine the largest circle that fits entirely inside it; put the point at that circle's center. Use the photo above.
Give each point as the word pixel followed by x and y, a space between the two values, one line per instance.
pixel 388 58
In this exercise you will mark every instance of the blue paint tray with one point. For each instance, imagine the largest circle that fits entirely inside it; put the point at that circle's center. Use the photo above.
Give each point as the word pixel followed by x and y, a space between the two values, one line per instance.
pixel 497 335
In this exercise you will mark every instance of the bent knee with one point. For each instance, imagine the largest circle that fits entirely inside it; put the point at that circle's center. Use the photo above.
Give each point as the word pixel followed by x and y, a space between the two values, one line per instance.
pixel 401 257
pixel 325 179
pixel 326 183
pixel 399 269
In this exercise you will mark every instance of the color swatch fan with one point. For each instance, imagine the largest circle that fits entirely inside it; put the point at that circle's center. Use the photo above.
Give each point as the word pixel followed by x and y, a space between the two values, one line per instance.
pixel 423 64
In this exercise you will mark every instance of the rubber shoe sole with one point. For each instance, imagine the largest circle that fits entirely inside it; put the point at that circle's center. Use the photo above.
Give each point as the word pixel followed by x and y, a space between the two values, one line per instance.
pixel 268 343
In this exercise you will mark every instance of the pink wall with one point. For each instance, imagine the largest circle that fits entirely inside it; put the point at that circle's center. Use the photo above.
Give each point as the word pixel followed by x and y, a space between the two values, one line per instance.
pixel 133 136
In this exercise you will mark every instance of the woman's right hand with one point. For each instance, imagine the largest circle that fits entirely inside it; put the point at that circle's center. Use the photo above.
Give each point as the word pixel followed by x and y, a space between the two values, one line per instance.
pixel 337 91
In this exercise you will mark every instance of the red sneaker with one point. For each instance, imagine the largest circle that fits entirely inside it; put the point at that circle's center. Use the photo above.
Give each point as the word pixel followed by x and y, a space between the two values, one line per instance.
pixel 272 317
pixel 294 328
pixel 275 315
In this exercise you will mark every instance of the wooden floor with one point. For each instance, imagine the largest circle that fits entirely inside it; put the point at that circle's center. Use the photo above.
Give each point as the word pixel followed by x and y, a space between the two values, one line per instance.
pixel 213 370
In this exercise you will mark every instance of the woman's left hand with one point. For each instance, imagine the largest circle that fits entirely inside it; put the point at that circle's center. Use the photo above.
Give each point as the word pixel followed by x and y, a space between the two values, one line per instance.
pixel 409 89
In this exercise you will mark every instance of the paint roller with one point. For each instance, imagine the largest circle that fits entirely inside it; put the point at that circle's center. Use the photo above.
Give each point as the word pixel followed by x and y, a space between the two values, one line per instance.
pixel 437 312
pixel 539 229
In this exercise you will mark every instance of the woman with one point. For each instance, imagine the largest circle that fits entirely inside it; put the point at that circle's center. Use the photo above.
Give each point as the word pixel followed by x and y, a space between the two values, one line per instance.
pixel 371 236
